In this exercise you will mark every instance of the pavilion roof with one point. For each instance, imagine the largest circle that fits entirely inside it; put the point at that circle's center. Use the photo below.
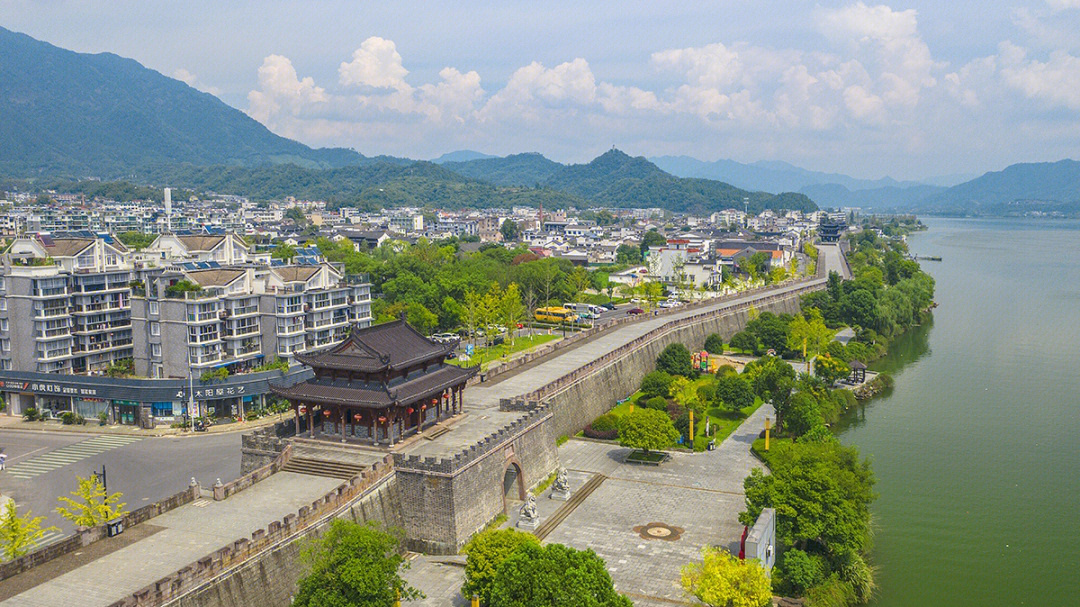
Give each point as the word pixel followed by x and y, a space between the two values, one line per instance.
pixel 393 345
pixel 375 395
pixel 855 364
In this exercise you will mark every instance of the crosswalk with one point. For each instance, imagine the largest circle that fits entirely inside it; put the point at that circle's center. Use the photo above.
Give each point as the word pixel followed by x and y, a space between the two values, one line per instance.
pixel 70 454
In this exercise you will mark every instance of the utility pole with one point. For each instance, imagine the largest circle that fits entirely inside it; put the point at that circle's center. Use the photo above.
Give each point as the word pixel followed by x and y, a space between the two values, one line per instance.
pixel 102 478
pixel 191 392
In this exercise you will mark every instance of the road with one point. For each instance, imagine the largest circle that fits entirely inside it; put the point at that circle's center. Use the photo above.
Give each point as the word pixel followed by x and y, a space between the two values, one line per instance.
pixel 41 466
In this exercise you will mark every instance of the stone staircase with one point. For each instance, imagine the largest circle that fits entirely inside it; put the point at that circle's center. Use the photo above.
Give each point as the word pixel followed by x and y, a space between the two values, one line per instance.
pixel 322 467
pixel 564 511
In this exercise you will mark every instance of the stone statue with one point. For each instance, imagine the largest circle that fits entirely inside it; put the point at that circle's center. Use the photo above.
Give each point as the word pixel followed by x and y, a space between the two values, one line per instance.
pixel 529 519
pixel 560 489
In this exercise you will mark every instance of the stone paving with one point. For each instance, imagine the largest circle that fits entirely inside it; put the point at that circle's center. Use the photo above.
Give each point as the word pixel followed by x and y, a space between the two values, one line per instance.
pixel 189 533
pixel 700 493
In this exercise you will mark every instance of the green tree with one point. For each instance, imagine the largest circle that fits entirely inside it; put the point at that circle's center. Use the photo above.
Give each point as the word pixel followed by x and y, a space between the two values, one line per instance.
pixel 92 506
pixel 511 312
pixel 656 383
pixel 714 344
pixel 354 565
pixel 483 555
pixel 771 330
pixel 296 215
pixel 20 533
pixel 554 576
pixel 830 369
pixel 745 341
pixel 802 414
pixel 284 251
pixel 675 360
pixel 684 393
pixel 647 429
pixel 722 580
pixel 628 255
pixel 136 240
pixel 652 239
pixel 735 392
pixel 510 230
pixel 808 331
pixel 821 492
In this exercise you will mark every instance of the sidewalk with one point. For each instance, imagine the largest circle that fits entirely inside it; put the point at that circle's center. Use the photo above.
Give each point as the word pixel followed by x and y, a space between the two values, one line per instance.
pixel 187 534
pixel 18 424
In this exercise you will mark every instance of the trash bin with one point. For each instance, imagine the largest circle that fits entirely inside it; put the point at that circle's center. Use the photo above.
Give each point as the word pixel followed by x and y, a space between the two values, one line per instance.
pixel 114 527
pixel 712 445
pixel 483 377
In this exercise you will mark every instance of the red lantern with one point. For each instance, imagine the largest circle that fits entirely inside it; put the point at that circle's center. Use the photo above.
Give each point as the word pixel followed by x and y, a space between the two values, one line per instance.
pixel 382 419
pixel 303 410
pixel 409 410
pixel 356 417
pixel 423 407
pixel 446 396
pixel 326 413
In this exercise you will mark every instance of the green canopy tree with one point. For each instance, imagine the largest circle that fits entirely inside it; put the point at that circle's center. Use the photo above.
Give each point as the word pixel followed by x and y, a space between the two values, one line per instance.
pixel 714 344
pixel 675 360
pixel 734 391
pixel 807 333
pixel 554 576
pixel 830 369
pixel 483 555
pixel 722 580
pixel 354 565
pixel 647 429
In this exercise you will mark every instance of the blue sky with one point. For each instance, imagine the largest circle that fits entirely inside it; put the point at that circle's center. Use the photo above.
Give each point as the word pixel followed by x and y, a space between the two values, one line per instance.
pixel 907 89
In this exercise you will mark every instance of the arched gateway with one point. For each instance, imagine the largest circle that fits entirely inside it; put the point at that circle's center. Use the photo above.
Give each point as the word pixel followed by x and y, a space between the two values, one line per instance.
pixel 380 385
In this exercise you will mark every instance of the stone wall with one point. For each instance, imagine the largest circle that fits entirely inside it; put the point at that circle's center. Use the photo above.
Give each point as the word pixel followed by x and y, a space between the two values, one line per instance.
pixel 223 491
pixel 269 579
pixel 447 500
pixel 262 447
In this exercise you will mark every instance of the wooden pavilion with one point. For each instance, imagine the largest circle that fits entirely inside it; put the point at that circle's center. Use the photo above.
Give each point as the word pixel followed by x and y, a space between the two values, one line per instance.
pixel 858 371
pixel 381 384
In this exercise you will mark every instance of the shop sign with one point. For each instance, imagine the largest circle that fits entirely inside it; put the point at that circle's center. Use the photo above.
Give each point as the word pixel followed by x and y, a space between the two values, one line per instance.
pixel 46 387
pixel 223 392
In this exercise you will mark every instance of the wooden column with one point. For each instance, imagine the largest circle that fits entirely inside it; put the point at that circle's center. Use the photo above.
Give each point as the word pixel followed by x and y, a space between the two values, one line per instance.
pixel 296 418
pixel 342 410
pixel 310 423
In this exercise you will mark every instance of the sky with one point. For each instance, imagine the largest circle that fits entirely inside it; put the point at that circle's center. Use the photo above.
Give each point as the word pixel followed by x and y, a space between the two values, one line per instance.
pixel 905 89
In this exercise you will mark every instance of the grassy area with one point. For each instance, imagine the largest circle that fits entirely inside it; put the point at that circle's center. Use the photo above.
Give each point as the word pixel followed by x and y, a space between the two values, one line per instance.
pixel 486 354
pixel 545 484
pixel 758 448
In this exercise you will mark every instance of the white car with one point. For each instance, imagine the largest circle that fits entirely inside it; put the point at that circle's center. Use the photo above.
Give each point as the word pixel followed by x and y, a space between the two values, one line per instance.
pixel 444 338
pixel 670 303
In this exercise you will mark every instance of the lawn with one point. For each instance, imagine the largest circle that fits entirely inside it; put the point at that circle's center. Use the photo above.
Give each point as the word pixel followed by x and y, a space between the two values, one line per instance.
pixel 758 448
pixel 486 354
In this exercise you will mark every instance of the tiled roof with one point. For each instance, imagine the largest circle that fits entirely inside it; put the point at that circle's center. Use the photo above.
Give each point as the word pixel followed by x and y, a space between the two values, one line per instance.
pixel 368 395
pixel 67 247
pixel 392 345
pixel 214 278
pixel 200 243
pixel 296 273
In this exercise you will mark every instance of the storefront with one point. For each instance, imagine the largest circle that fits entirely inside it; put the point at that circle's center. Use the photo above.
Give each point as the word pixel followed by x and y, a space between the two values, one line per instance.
pixel 126 412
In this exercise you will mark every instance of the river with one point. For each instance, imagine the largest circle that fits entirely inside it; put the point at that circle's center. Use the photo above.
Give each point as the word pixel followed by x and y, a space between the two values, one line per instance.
pixel 977 448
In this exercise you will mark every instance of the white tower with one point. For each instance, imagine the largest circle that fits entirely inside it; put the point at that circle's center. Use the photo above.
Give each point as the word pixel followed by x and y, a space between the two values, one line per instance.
pixel 168 210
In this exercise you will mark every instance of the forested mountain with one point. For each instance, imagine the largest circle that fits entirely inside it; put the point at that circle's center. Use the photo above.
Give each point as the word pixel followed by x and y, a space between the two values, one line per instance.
pixel 67 113
pixel 1042 186
pixel 461 156
pixel 618 180
pixel 832 195
pixel 769 176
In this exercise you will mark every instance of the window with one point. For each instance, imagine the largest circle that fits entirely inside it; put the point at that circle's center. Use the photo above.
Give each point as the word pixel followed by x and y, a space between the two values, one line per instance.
pixel 3 324
pixel 153 307
pixel 5 345
pixel 3 304
pixel 155 328
pixel 155 350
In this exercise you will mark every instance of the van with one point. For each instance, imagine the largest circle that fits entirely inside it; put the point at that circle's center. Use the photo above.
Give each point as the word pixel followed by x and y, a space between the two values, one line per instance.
pixel 555 314
pixel 583 310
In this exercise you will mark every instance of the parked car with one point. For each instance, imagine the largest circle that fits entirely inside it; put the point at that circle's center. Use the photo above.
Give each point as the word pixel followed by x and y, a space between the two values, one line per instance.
pixel 635 311
pixel 444 338
pixel 608 306
pixel 670 303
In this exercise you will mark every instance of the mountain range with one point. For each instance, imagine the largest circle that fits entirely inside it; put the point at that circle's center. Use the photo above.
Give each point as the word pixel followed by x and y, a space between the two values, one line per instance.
pixel 68 115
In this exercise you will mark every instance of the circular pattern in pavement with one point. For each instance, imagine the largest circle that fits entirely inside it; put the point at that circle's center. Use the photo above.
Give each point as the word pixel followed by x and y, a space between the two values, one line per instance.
pixel 659 531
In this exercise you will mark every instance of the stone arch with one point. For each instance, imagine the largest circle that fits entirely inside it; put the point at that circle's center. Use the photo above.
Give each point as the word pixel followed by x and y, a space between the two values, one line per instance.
pixel 512 475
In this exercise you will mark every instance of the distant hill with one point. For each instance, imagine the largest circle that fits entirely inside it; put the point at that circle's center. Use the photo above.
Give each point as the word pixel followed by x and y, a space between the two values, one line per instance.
pixel 67 113
pixel 461 156
pixel 618 180
pixel 769 176
pixel 833 195
pixel 1003 192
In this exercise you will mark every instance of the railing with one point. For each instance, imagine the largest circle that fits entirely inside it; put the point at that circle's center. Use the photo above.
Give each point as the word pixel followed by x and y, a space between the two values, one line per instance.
pixel 242 331
pixel 51 312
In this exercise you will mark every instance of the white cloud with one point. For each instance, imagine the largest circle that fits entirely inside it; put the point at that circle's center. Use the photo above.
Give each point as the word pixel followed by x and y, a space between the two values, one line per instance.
pixel 280 89
pixel 1055 81
pixel 375 64
pixel 191 80
pixel 1061 5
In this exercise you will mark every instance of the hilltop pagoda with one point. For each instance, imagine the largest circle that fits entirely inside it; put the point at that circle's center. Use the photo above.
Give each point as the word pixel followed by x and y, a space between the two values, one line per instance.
pixel 380 385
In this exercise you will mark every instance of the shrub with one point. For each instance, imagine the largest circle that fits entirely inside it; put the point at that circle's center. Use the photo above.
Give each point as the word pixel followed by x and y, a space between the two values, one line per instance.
pixel 714 344
pixel 657 402
pixel 706 393
pixel 656 383
pixel 854 570
pixel 745 341
pixel 103 418
pixel 67 418
pixel 647 429
pixel 605 422
pixel 675 359
pixel 802 571
pixel 723 370
pixel 31 414
pixel 735 392
pixel 833 592
pixel 600 434
pixel 675 410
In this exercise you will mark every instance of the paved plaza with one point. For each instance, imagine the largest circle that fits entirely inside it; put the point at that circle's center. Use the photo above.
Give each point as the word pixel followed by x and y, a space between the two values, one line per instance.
pixel 700 495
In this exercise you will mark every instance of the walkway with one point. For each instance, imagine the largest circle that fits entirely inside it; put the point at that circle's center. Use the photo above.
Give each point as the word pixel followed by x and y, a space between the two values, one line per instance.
pixel 186 535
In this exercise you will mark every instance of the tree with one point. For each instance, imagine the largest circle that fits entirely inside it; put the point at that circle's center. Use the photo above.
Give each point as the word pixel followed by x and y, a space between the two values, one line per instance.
pixel 283 251
pixel 685 394
pixel 92 506
pixel 577 281
pixel 483 555
pixel 745 341
pixel 136 240
pixel 830 369
pixel 675 360
pixel 647 429
pixel 511 312
pixel 628 255
pixel 296 215
pixel 510 230
pixel 656 383
pixel 554 576
pixel 652 239
pixel 771 330
pixel 354 565
pixel 722 580
pixel 821 492
pixel 802 414
pixel 859 308
pixel 714 344
pixel 734 391
pixel 20 533
pixel 808 331
pixel 471 310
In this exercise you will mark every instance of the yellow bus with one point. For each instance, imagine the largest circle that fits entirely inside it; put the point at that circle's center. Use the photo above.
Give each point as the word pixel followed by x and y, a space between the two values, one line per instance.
pixel 555 314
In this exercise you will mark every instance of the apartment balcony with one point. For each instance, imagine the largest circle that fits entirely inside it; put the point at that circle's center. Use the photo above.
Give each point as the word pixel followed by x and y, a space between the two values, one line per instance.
pixel 204 317
pixel 291 330
pixel 206 359
pixel 242 332
pixel 54 355
pixel 102 346
pixel 202 340
pixel 53 334
pixel 51 312
pixel 99 327
pixel 242 312
pixel 50 293
pixel 290 310
pixel 246 352
pixel 100 307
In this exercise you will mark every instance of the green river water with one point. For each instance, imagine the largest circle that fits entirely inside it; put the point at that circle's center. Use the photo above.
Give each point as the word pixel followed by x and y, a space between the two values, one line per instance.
pixel 977 448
